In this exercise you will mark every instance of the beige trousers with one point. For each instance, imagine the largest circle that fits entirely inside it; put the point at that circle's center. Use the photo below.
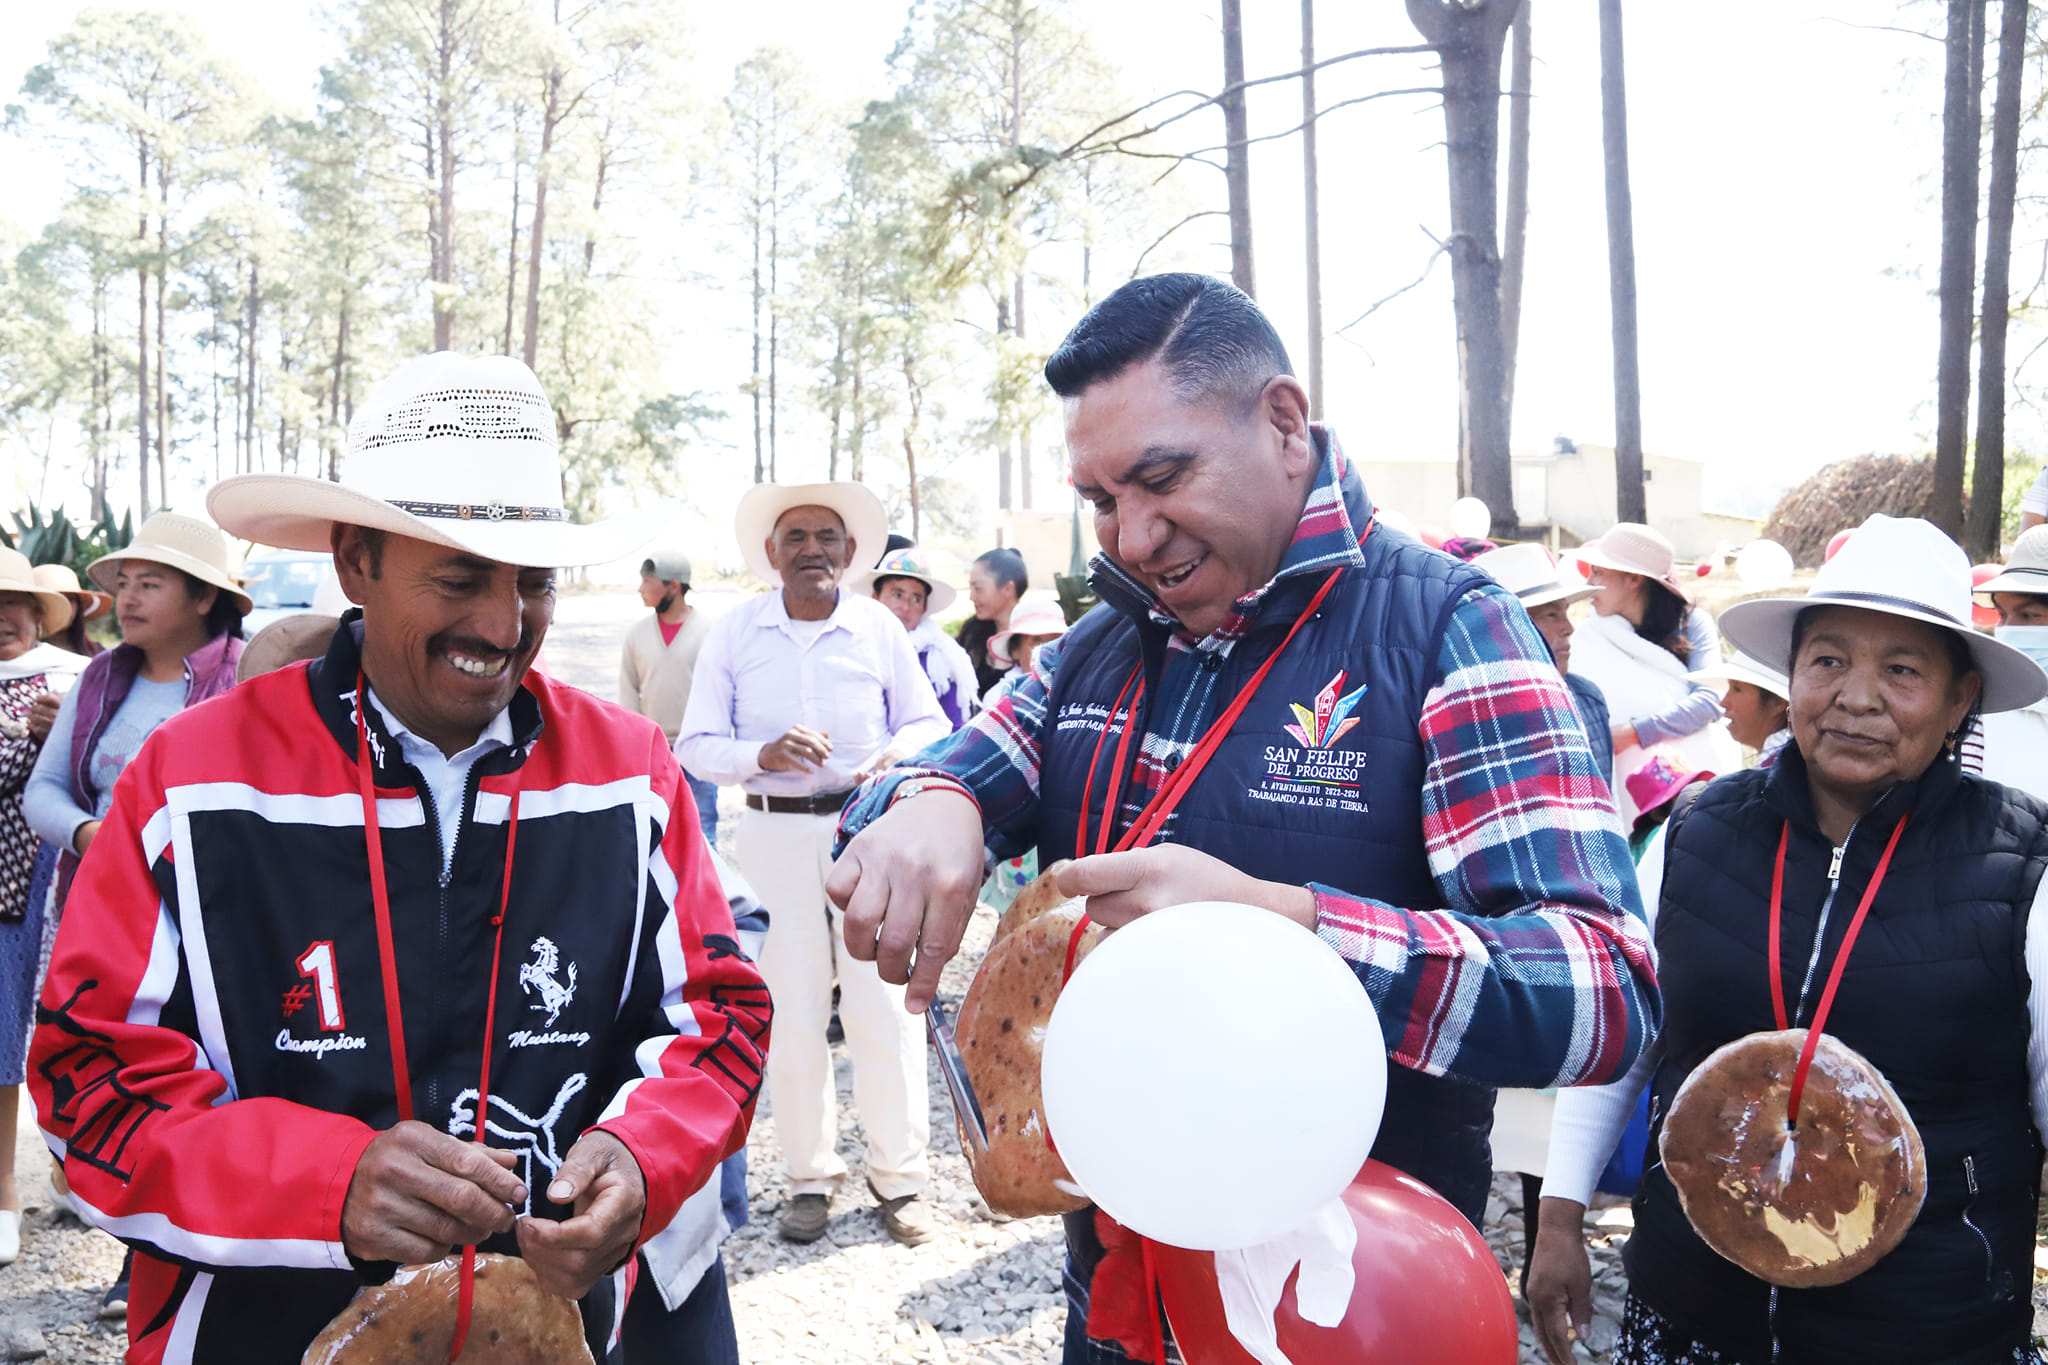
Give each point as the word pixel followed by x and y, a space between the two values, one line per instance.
pixel 786 858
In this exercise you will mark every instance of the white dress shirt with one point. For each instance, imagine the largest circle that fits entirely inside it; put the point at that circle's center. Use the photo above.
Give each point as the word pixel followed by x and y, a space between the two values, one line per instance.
pixel 447 778
pixel 852 676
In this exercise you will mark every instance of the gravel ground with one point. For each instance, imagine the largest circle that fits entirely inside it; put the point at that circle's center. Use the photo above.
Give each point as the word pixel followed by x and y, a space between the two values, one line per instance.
pixel 983 1292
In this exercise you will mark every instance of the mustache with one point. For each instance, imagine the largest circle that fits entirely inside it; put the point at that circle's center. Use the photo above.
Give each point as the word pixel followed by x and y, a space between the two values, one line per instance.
pixel 450 642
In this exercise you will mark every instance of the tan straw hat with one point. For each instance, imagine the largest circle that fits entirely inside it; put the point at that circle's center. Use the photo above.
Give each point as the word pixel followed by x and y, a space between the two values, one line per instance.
pixel 188 544
pixel 866 522
pixel 90 605
pixel 286 640
pixel 454 450
pixel 2026 568
pixel 1631 547
pixel 17 576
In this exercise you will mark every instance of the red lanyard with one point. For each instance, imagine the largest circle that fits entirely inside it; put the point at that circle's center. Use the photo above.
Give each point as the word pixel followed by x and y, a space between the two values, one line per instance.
pixel 1827 995
pixel 394 1019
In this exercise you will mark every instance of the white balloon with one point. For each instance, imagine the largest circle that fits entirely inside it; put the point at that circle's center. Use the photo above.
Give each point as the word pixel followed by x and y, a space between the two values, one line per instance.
pixel 1763 565
pixel 1213 1075
pixel 1471 519
pixel 1395 519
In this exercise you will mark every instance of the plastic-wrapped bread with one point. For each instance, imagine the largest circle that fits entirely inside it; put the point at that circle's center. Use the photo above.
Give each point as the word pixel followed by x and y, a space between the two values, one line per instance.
pixel 1001 1031
pixel 1805 1207
pixel 410 1320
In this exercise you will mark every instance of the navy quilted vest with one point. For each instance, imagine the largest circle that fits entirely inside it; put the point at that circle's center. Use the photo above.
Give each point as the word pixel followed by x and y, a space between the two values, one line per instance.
pixel 1347 813
pixel 1934 995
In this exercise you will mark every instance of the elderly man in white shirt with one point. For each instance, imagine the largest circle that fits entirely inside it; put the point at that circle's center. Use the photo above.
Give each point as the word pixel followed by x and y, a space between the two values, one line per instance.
pixel 797 696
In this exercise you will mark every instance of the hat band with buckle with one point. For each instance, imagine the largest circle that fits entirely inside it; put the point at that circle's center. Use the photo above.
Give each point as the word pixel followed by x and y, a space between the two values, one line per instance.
pixel 479 511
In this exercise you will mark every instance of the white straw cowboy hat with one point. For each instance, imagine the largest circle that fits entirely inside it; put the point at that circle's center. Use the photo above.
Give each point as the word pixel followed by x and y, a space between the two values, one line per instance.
pixel 910 563
pixel 1744 669
pixel 189 544
pixel 1903 567
pixel 2026 568
pixel 17 576
pixel 454 450
pixel 1631 547
pixel 1035 615
pixel 89 604
pixel 860 511
pixel 1529 572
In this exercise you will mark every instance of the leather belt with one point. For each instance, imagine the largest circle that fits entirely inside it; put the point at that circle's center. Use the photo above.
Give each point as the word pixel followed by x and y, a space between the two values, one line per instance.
pixel 823 803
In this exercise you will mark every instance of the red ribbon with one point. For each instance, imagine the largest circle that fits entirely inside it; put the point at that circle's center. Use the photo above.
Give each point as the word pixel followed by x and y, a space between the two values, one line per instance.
pixel 394 1018
pixel 1827 995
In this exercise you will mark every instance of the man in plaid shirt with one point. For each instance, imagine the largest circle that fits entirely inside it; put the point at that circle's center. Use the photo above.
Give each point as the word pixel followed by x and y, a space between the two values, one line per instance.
pixel 1472 873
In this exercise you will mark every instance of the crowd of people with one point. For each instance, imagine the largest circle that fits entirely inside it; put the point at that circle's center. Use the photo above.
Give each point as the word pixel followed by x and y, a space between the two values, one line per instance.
pixel 365 941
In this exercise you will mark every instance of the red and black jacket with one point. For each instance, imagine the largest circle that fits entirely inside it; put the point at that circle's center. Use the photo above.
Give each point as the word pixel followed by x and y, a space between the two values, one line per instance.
pixel 211 1055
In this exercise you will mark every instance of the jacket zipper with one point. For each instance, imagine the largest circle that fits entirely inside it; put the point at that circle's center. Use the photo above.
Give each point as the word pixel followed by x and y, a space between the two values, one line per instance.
pixel 1820 931
pixel 1970 1177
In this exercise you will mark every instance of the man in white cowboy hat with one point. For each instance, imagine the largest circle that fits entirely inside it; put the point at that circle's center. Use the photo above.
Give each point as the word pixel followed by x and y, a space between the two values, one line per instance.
pixel 1547 590
pixel 344 985
pixel 2012 746
pixel 799 694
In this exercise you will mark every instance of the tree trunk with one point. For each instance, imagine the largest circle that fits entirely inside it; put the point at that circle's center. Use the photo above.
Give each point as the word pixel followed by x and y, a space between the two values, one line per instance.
pixel 163 400
pixel 444 135
pixel 1469 39
pixel 1237 153
pixel 1024 420
pixel 249 384
pixel 142 335
pixel 774 299
pixel 511 264
pixel 537 230
pixel 1961 132
pixel 1005 458
pixel 760 452
pixel 1515 234
pixel 1621 271
pixel 855 464
pixel 338 438
pixel 1987 485
pixel 98 425
pixel 1311 211
pixel 913 393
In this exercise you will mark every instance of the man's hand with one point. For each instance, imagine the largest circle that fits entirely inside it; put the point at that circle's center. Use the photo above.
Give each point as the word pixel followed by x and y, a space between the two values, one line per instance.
pixel 42 716
pixel 418 1193
pixel 884 761
pixel 907 884
pixel 801 750
pixel 602 1182
pixel 1560 1289
pixel 1122 886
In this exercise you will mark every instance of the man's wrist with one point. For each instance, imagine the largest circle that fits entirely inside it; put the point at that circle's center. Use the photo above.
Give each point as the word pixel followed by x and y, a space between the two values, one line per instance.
pixel 931 782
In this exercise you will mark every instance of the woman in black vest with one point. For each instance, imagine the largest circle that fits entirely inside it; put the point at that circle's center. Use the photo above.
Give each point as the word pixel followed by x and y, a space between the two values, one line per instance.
pixel 1944 988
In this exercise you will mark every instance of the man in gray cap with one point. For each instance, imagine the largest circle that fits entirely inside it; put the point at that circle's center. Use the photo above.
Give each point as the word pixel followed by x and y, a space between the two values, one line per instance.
pixel 660 654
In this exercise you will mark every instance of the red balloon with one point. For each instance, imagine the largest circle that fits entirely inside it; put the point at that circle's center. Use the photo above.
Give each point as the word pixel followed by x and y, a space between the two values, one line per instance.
pixel 1983 614
pixel 1836 542
pixel 1428 1290
pixel 1433 536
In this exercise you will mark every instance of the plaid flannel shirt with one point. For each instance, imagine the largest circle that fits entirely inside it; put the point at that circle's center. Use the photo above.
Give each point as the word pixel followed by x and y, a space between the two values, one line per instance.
pixel 1538 973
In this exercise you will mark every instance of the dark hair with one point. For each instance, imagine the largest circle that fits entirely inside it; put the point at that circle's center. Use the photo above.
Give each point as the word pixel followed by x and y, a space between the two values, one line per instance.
pixel 1210 338
pixel 1664 615
pixel 224 617
pixel 897 541
pixel 1005 566
pixel 373 548
pixel 888 578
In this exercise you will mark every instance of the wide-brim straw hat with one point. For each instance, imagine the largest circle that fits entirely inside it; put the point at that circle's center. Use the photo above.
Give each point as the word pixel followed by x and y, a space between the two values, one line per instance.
pixel 1532 575
pixel 286 641
pixel 862 513
pixel 16 575
pixel 1902 566
pixel 1631 547
pixel 910 563
pixel 188 544
pixel 1744 669
pixel 453 450
pixel 2026 568
pixel 87 603
pixel 1032 616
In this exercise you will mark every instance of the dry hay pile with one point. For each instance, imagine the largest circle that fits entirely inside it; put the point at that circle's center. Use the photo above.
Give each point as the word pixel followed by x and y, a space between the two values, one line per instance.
pixel 1842 495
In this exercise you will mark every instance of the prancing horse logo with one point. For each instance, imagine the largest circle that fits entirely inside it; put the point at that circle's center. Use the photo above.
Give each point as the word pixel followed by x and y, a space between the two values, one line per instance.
pixel 539 975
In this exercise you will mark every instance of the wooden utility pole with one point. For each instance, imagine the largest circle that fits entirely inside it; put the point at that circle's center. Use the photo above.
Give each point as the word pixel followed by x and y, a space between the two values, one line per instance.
pixel 1237 153
pixel 1987 483
pixel 1961 134
pixel 1621 272
pixel 1311 210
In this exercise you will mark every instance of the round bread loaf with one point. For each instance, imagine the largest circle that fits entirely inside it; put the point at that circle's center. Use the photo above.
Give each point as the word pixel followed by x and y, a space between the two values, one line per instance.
pixel 1001 1032
pixel 1804 1207
pixel 410 1320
